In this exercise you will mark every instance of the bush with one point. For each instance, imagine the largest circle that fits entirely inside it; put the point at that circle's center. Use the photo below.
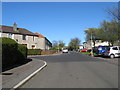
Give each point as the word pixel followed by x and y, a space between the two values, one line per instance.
pixel 12 53
pixel 34 51
pixel 9 52
pixel 22 53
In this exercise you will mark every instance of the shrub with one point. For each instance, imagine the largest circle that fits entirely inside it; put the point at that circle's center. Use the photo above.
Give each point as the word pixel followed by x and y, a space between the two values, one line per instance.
pixel 9 52
pixel 12 53
pixel 22 53
pixel 34 51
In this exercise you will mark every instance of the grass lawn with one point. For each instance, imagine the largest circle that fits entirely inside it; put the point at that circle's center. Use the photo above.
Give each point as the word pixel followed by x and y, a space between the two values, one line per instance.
pixel 87 53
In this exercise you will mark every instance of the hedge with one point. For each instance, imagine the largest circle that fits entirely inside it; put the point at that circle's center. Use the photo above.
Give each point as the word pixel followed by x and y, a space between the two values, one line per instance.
pixel 34 51
pixel 12 53
pixel 22 53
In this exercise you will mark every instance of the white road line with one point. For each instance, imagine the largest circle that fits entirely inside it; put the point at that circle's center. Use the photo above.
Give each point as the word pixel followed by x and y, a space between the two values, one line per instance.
pixel 27 78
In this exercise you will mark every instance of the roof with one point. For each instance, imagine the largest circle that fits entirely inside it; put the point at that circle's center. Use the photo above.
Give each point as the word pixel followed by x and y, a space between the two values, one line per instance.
pixel 9 29
pixel 40 35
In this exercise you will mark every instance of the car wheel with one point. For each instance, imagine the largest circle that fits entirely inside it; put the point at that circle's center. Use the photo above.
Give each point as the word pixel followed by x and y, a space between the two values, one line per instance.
pixel 112 56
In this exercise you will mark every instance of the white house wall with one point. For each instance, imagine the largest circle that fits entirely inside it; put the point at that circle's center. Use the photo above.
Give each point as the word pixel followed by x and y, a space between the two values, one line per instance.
pixel 18 38
pixel 39 43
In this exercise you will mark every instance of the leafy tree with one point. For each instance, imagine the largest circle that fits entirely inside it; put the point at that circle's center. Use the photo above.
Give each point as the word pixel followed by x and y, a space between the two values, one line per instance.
pixel 57 45
pixel 54 45
pixel 61 44
pixel 74 43
pixel 109 31
pixel 92 33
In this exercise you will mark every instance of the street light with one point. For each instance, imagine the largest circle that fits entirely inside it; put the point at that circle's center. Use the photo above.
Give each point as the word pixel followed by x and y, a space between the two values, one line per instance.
pixel 91 45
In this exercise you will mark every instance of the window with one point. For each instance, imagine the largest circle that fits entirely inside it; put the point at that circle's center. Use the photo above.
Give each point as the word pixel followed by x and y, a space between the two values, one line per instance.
pixel 9 35
pixel 16 40
pixel 33 46
pixel 115 48
pixel 25 45
pixel 24 37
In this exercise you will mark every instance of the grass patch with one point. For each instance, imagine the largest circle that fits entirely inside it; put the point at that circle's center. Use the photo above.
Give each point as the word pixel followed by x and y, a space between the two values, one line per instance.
pixel 87 53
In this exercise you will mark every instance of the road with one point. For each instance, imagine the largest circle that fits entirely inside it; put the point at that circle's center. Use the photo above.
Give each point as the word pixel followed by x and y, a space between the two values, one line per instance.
pixel 74 70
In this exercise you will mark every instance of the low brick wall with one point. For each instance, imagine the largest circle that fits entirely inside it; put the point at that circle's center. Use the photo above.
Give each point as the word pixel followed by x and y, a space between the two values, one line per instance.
pixel 47 52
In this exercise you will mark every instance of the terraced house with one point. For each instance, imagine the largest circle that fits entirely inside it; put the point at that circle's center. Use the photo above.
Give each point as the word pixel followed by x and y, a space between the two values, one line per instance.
pixel 24 36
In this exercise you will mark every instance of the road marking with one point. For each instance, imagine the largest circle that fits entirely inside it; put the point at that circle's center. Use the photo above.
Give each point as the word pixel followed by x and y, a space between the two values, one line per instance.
pixel 27 78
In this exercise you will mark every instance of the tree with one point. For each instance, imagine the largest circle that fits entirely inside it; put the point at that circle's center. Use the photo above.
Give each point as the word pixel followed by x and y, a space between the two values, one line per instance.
pixel 58 45
pixel 109 31
pixel 114 13
pixel 74 43
pixel 54 45
pixel 92 33
pixel 61 44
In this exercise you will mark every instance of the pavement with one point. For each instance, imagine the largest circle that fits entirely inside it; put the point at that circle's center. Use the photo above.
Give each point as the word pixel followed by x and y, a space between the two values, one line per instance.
pixel 15 77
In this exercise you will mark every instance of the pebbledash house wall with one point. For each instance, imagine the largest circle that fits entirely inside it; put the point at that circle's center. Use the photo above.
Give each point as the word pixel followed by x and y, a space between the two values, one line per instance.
pixel 30 40
pixel 41 43
pixel 44 44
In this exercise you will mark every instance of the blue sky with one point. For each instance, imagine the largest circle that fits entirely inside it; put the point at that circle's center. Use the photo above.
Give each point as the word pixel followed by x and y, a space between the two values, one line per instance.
pixel 56 20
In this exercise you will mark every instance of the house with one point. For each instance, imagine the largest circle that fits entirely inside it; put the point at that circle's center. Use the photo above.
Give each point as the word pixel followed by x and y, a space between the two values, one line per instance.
pixel 88 45
pixel 43 42
pixel 80 46
pixel 22 36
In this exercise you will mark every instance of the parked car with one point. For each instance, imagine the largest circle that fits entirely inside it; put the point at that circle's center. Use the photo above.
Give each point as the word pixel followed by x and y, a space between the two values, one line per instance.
pixel 65 50
pixel 100 50
pixel 112 52
pixel 83 50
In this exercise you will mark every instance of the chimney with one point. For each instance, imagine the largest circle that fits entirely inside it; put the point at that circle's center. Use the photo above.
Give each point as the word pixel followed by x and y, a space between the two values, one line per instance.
pixel 15 26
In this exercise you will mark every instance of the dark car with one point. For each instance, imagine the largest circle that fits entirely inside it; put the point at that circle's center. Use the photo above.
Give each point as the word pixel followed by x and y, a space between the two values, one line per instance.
pixel 100 50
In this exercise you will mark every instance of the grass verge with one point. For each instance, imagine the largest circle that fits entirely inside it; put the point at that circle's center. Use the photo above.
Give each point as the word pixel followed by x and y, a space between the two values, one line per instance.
pixel 87 53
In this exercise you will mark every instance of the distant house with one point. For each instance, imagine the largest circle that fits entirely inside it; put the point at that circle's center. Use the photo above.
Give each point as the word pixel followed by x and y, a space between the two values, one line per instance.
pixel 43 42
pixel 24 36
pixel 88 45
pixel 81 47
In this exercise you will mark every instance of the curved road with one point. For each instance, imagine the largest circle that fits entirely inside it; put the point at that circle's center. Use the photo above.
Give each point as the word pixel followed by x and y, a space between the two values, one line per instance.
pixel 74 70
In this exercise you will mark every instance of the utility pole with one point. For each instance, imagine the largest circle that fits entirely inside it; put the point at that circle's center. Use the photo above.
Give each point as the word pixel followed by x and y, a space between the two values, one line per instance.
pixel 91 45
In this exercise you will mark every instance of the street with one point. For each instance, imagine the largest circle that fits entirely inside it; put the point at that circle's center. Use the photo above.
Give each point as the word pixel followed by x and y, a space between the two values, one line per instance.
pixel 74 70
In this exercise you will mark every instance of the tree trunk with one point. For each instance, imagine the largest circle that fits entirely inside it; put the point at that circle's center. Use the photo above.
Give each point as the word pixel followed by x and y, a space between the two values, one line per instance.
pixel 94 43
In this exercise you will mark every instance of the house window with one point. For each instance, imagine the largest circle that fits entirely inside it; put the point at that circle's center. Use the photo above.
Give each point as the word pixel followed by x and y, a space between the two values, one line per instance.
pixel 10 35
pixel 16 40
pixel 25 45
pixel 33 46
pixel 24 37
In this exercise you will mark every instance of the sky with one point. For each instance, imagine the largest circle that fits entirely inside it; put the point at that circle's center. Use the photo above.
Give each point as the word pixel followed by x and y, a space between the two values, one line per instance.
pixel 56 20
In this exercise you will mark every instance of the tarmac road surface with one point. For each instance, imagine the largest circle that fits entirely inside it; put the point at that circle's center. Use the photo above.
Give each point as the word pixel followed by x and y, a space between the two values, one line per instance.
pixel 74 70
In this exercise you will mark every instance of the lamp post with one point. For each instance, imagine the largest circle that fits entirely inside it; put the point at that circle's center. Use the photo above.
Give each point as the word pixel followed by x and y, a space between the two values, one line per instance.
pixel 91 45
